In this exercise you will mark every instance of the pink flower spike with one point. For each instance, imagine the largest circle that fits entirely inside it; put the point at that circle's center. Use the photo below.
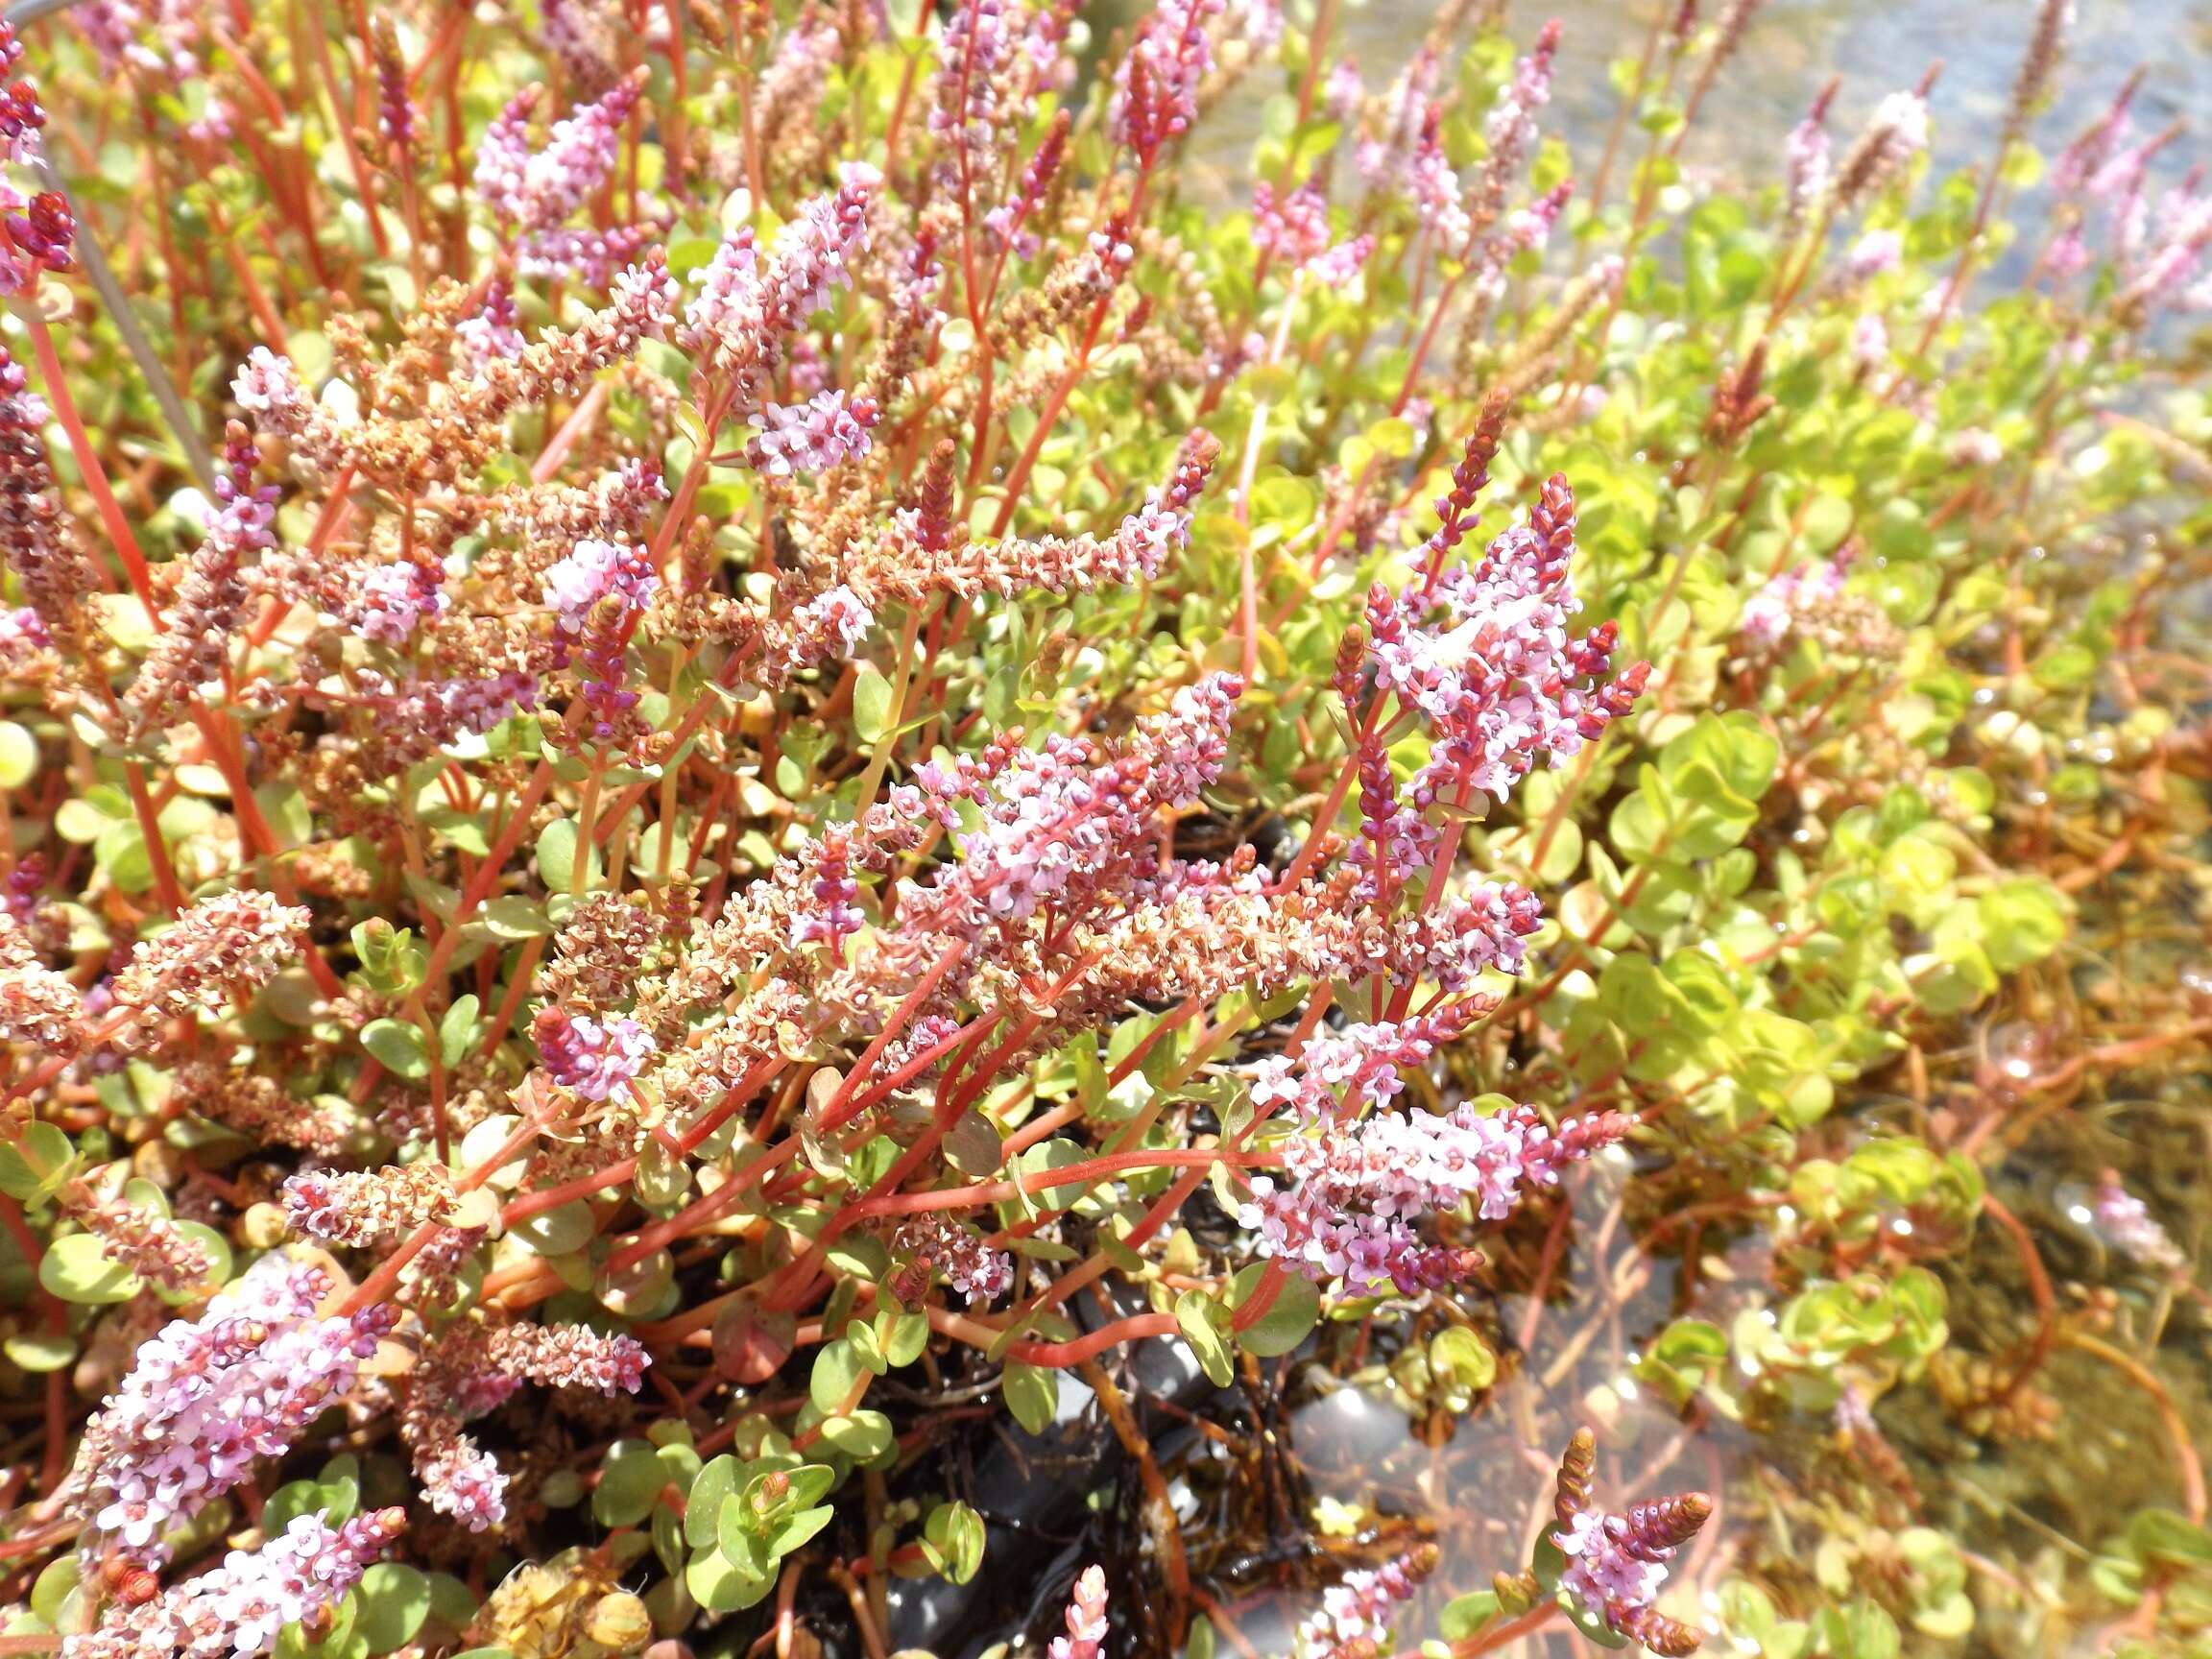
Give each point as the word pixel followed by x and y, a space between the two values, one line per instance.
pixel 1087 1627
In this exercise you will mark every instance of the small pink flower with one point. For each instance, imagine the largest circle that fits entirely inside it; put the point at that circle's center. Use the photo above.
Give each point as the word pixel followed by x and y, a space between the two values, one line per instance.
pixel 392 601
pixel 812 437
pixel 593 1058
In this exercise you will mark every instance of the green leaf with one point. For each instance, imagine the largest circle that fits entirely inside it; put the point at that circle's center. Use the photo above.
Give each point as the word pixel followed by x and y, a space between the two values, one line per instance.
pixel 40 1352
pixel 398 1047
pixel 395 1600
pixel 50 1591
pixel 904 1336
pixel 972 1144
pixel 630 1483
pixel 873 717
pixel 703 1503
pixel 720 1586
pixel 952 1542
pixel 457 1031
pixel 2163 1536
pixel 1033 1394
pixel 557 857
pixel 1295 1311
pixel 77 1269
pixel 285 808
pixel 1204 1326
pixel 810 1482
pixel 37 1164
pixel 740 1529
pixel 18 756
pixel 561 1231
pixel 515 918
pixel 1464 1615
pixel 2022 921
pixel 83 820
pixel 1462 1358
pixel 838 1370
pixel 793 1532
pixel 864 1436
pixel 869 1347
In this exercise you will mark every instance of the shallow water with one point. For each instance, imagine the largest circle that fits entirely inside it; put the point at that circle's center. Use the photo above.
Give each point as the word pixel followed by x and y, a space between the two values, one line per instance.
pixel 1793 48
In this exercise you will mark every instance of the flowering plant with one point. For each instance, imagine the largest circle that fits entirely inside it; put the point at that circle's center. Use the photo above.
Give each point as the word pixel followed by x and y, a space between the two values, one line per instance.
pixel 763 776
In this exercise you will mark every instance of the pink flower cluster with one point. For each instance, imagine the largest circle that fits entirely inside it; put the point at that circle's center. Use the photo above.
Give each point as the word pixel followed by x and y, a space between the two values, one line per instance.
pixel 595 571
pixel 1342 1073
pixel 1361 1607
pixel 495 330
pixel 228 945
pixel 1894 134
pixel 391 601
pixel 934 1242
pixel 23 630
pixel 583 253
pixel 837 915
pixel 1808 159
pixel 466 1370
pixel 2165 251
pixel 567 1357
pixel 830 626
pixel 593 1058
pixel 1155 88
pixel 1360 1188
pixel 36 235
pixel 1497 675
pixel 1086 1628
pixel 597 595
pixel 460 1478
pixel 1511 125
pixel 1006 220
pixel 1617 1564
pixel 747 305
pixel 1394 130
pixel 2129 1227
pixel 237 1610
pixel 206 1397
pixel 1295 232
pixel 974 43
pixel 21 115
pixel 421 716
pixel 1061 823
pixel 811 436
pixel 245 517
pixel 1767 613
pixel 533 189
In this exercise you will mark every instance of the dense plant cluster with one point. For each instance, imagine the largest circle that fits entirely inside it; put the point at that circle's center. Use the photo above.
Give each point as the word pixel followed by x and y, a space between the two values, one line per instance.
pixel 762 793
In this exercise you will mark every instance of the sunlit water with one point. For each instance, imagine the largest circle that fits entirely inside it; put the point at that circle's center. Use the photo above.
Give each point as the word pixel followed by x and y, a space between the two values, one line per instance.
pixel 1791 50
